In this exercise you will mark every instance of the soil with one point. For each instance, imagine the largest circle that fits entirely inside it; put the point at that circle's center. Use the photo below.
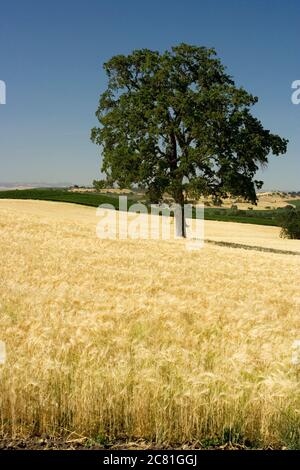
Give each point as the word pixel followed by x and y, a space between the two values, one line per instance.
pixel 45 442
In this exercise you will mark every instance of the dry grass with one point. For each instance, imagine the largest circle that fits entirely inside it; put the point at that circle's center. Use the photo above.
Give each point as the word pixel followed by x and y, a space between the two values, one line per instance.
pixel 143 339
pixel 266 200
pixel 248 234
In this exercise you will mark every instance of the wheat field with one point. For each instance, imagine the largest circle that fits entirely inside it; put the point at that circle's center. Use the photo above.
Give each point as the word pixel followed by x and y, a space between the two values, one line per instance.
pixel 144 339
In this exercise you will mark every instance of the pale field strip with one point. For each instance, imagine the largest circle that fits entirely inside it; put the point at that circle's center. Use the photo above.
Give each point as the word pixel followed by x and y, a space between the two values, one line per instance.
pixel 143 338
pixel 249 234
pixel 231 232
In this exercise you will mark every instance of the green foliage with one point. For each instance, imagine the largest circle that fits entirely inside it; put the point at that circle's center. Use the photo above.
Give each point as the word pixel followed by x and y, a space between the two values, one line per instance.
pixel 153 194
pixel 289 425
pixel 175 122
pixel 103 184
pixel 100 184
pixel 289 221
pixel 217 201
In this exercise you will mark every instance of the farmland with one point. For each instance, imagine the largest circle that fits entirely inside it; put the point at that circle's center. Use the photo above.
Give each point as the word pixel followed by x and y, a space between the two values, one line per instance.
pixel 257 217
pixel 143 340
pixel 295 202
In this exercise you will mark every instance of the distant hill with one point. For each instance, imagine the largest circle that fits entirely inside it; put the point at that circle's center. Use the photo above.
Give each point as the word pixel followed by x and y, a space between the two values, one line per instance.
pixel 22 185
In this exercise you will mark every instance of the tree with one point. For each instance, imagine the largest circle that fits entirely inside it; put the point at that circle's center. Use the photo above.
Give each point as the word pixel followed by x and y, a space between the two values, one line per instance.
pixel 177 123
pixel 103 184
pixel 289 221
pixel 99 184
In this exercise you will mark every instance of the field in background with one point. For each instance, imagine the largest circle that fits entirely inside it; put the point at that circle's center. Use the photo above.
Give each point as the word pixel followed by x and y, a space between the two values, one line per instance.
pixel 63 195
pixel 140 339
pixel 258 216
pixel 295 202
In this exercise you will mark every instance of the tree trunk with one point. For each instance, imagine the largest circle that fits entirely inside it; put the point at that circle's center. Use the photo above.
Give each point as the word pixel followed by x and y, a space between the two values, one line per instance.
pixel 183 222
pixel 178 196
pixel 180 216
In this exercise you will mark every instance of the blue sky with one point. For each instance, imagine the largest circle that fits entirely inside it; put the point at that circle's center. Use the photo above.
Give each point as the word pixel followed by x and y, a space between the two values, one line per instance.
pixel 51 56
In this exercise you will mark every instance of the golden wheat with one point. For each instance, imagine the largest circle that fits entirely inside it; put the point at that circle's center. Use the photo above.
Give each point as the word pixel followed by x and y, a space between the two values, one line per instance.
pixel 143 339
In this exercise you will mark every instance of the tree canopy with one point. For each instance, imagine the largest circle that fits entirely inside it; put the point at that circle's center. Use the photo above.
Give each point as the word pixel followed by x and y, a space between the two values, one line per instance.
pixel 176 122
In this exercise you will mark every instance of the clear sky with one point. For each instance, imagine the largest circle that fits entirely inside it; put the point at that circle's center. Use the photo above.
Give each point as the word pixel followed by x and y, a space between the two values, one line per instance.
pixel 51 56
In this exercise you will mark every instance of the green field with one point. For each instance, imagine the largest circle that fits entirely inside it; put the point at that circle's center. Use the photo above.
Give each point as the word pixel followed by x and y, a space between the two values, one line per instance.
pixel 295 202
pixel 266 217
pixel 62 195
pixel 259 217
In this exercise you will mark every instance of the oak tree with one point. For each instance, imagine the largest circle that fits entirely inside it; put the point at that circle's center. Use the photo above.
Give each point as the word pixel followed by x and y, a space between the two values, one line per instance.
pixel 176 123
